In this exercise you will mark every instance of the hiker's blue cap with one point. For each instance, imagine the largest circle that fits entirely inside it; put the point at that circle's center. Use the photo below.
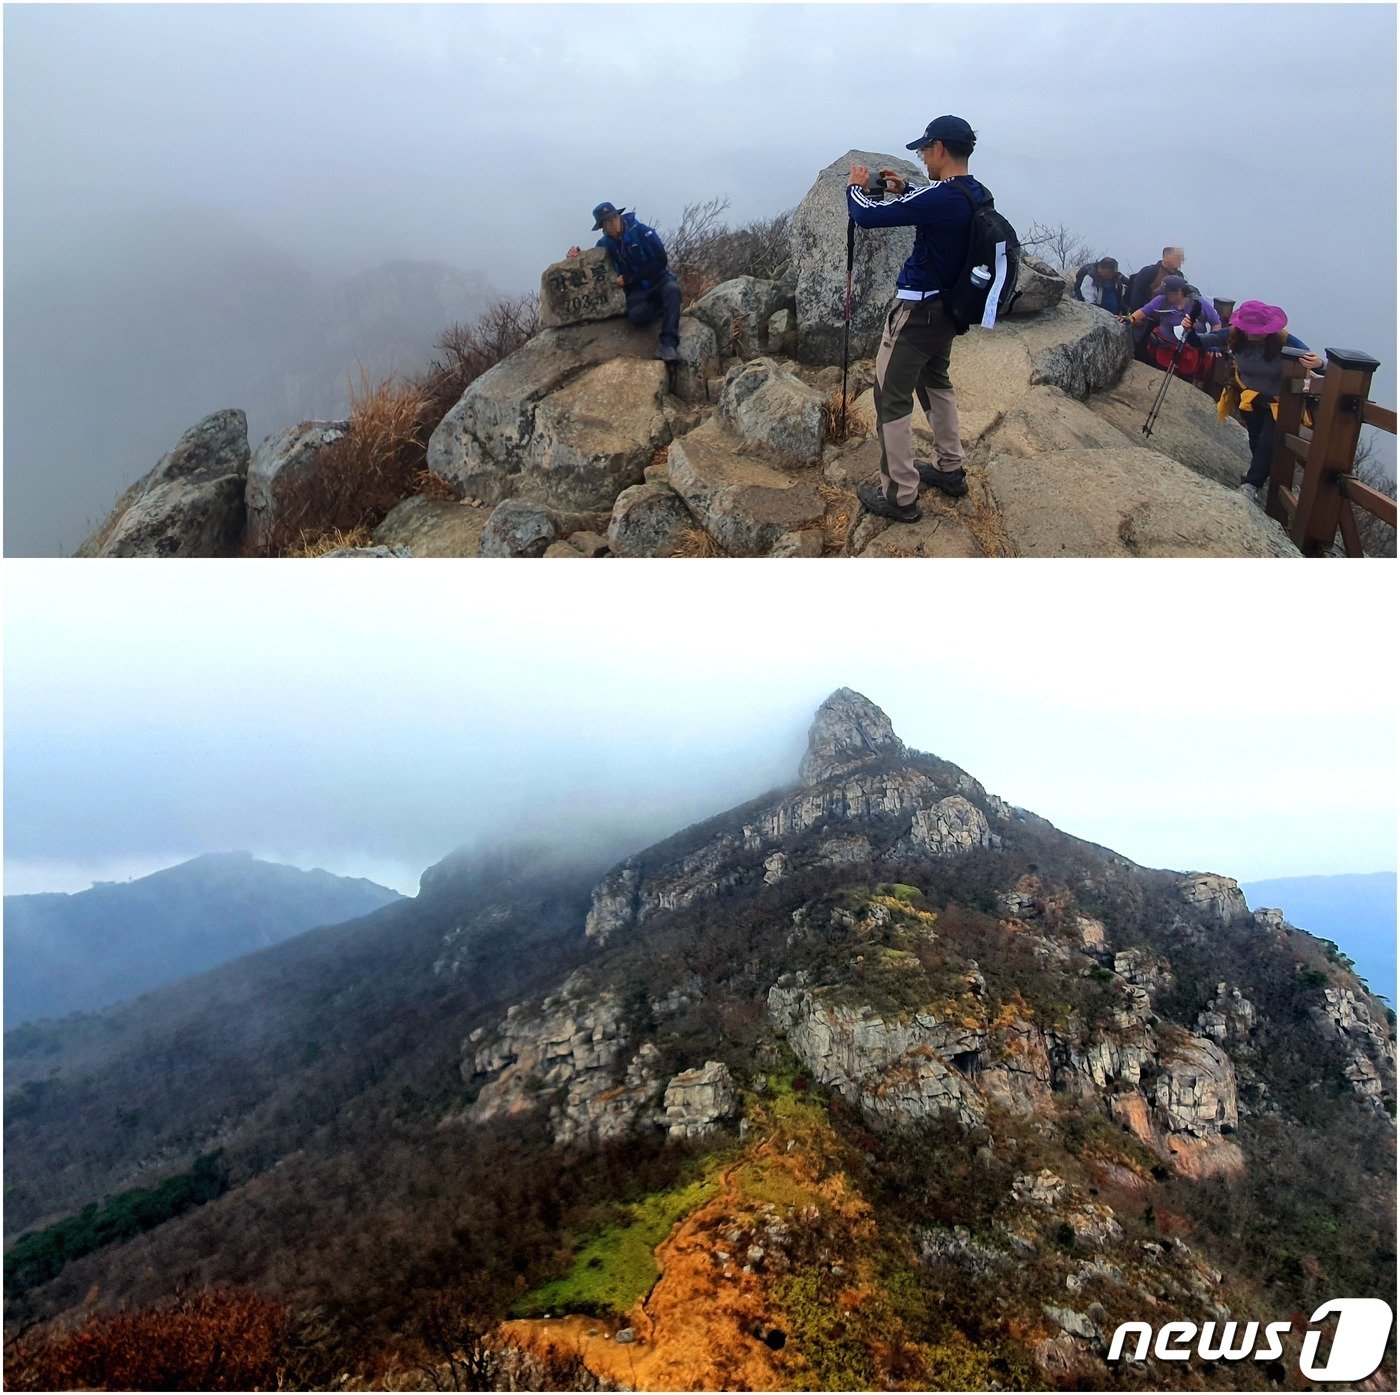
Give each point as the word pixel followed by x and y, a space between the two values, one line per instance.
pixel 945 128
pixel 604 210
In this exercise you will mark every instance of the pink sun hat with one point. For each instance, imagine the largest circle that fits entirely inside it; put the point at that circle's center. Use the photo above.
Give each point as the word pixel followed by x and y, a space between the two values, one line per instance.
pixel 1254 317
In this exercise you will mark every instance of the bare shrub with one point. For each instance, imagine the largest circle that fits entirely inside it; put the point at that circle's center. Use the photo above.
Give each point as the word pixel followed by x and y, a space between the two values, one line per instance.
pixel 465 352
pixel 1062 247
pixel 703 250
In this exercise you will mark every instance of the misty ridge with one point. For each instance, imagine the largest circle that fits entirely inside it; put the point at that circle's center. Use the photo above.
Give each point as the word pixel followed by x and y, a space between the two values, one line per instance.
pixel 89 950
pixel 176 312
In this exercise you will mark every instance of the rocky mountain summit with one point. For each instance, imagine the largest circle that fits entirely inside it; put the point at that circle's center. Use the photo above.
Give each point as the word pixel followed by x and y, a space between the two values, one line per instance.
pixel 892 940
pixel 865 803
pixel 582 444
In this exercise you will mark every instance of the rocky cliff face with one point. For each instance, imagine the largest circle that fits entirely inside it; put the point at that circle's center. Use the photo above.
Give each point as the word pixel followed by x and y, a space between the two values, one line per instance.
pixel 963 1052
pixel 853 773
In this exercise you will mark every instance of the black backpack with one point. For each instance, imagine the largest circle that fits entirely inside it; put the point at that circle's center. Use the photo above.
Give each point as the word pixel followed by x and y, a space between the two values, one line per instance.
pixel 976 297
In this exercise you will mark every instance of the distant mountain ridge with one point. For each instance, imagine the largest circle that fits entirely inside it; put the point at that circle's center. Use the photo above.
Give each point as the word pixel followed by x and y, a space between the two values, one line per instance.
pixel 1357 910
pixel 84 951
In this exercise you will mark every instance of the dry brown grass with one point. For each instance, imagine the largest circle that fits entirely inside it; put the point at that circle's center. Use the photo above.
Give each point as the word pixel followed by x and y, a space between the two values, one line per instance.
pixel 842 506
pixel 317 544
pixel 357 479
pixel 432 486
pixel 383 458
pixel 697 542
pixel 836 432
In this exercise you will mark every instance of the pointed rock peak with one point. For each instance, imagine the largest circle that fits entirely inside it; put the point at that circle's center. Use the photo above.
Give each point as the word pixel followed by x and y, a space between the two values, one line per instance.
pixel 847 731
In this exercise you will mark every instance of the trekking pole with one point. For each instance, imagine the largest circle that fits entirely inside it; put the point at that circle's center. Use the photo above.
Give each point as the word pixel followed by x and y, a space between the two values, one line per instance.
pixel 1167 380
pixel 846 345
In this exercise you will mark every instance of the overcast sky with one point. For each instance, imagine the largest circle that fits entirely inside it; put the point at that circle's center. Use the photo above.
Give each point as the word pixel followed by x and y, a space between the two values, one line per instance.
pixel 1262 138
pixel 370 717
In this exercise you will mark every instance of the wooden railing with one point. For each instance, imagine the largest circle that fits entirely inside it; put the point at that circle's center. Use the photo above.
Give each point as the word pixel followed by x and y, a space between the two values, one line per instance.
pixel 1314 510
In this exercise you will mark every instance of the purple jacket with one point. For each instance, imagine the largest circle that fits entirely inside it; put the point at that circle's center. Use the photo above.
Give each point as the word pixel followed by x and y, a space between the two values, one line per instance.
pixel 1169 316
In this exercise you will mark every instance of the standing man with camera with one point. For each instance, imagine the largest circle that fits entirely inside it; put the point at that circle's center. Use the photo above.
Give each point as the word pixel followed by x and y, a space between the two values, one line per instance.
pixel 917 346
pixel 639 258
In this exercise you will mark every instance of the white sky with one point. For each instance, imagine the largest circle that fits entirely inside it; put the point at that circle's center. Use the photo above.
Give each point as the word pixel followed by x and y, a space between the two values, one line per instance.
pixel 370 717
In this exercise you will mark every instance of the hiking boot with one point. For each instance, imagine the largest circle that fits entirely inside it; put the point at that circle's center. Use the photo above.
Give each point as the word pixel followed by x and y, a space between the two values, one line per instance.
pixel 668 353
pixel 875 501
pixel 951 482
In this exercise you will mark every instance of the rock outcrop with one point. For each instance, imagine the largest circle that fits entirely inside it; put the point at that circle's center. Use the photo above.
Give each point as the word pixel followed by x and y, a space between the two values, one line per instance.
pixel 747 502
pixel 896 1072
pixel 1218 900
pixel 278 467
pixel 572 1053
pixel 847 731
pixel 741 315
pixel 768 407
pixel 818 239
pixel 1369 1050
pixel 191 504
pixel 699 1101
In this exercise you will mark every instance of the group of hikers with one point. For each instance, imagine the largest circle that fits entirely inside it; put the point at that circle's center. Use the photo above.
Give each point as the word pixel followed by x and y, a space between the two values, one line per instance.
pixel 1174 327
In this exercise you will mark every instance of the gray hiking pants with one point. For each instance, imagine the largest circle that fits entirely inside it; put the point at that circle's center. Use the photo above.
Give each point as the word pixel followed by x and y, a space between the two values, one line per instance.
pixel 913 362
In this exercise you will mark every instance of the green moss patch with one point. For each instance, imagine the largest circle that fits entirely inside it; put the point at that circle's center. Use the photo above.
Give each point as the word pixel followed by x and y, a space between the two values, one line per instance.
pixel 617 1266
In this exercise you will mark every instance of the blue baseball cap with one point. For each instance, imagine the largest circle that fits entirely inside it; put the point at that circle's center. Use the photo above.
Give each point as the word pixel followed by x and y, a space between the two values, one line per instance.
pixel 603 211
pixel 945 128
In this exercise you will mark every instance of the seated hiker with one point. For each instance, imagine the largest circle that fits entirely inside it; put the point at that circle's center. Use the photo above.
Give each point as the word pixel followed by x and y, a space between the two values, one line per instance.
pixel 1255 343
pixel 1101 283
pixel 639 258
pixel 1163 316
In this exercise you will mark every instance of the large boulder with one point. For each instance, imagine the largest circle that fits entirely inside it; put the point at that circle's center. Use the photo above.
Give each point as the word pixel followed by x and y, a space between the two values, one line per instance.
pixel 766 406
pixel 739 312
pixel 745 502
pixel 647 521
pixel 572 417
pixel 1038 286
pixel 1066 484
pixel 518 528
pixel 191 504
pixel 433 527
pixel 818 240
pixel 1187 428
pixel 579 289
pixel 278 467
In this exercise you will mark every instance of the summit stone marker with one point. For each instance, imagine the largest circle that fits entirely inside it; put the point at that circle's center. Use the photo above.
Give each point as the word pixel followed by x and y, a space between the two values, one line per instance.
pixel 580 289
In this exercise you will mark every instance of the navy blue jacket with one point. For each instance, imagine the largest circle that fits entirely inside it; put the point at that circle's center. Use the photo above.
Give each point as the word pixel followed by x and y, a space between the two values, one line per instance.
pixel 639 255
pixel 941 217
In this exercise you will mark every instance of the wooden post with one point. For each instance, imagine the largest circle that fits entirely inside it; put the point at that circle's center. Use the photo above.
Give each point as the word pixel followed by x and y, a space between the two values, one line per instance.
pixel 1290 419
pixel 1224 308
pixel 1333 449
